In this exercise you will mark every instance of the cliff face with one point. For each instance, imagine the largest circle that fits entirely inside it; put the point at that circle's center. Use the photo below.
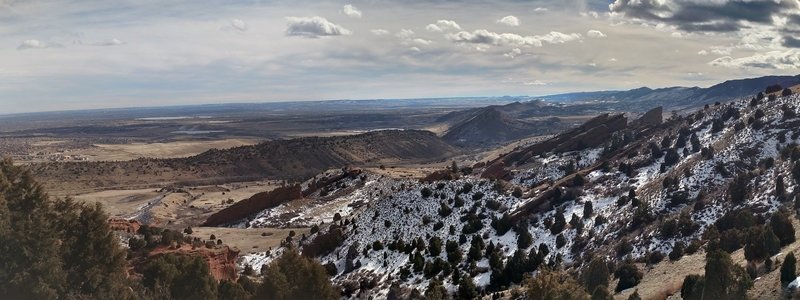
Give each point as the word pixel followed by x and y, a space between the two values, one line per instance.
pixel 123 225
pixel 594 132
pixel 221 259
pixel 254 204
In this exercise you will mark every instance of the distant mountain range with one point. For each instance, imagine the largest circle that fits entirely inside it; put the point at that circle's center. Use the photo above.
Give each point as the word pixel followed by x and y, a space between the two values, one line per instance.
pixel 677 97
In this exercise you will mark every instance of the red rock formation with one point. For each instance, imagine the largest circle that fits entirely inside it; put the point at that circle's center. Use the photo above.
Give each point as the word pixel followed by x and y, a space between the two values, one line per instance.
pixel 128 226
pixel 254 204
pixel 221 259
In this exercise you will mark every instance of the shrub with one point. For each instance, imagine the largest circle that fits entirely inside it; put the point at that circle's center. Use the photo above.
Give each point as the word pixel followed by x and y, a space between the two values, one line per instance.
pixel 597 274
pixel 723 278
pixel 692 288
pixel 588 210
pixel 782 227
pixel 789 269
pixel 559 222
pixel 677 251
pixel 628 275
pixel 426 192
pixel 292 276
pixel 554 285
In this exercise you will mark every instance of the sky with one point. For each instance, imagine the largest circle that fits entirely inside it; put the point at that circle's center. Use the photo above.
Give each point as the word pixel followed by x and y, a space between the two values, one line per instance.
pixel 81 54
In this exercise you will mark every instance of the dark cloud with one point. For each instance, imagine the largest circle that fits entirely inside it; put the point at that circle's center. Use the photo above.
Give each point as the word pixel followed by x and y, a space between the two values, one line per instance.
pixel 687 15
pixel 791 42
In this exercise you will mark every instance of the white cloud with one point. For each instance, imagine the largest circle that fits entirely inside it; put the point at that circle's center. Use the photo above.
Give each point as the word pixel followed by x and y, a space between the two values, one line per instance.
pixel 535 82
pixel 612 59
pixel 779 60
pixel 37 44
pixel 513 53
pixel 405 34
pixel 111 42
pixel 422 41
pixel 592 14
pixel 351 11
pixel 677 34
pixel 540 9
pixel 313 27
pixel 721 50
pixel 239 25
pixel 483 36
pixel 509 20
pixel 595 34
pixel 443 25
pixel 702 52
pixel 379 31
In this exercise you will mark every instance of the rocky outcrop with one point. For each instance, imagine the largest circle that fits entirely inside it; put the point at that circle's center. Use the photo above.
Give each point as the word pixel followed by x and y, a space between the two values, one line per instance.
pixel 496 171
pixel 221 259
pixel 124 225
pixel 323 182
pixel 653 117
pixel 591 134
pixel 254 204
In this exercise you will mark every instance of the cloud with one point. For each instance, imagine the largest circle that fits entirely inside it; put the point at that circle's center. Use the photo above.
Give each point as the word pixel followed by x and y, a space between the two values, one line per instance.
pixel 509 20
pixel 704 16
pixel 443 25
pixel 592 14
pixel 540 9
pixel 535 82
pixel 777 60
pixel 235 25
pixel 313 27
pixel 513 53
pixel 351 11
pixel 37 44
pixel 702 52
pixel 405 34
pixel 379 31
pixel 791 42
pixel 721 50
pixel 483 36
pixel 239 25
pixel 111 42
pixel 595 34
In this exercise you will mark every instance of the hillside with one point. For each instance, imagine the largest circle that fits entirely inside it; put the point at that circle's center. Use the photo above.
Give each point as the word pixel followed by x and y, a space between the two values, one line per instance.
pixel 491 126
pixel 719 179
pixel 678 97
pixel 280 159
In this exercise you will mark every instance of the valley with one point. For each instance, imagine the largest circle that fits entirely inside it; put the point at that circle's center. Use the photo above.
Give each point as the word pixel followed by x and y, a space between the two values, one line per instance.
pixel 495 193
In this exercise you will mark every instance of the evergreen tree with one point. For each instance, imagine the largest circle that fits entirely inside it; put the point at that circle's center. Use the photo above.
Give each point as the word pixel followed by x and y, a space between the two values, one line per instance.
pixel 789 269
pixel 180 276
pixel 559 222
pixel 692 288
pixel 435 246
pixel 597 274
pixel 53 249
pixel 292 276
pixel 724 279
pixel 601 293
pixel 231 290
pixel 782 226
pixel 554 285
pixel 629 276
pixel 436 291
pixel 588 210
pixel 466 288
